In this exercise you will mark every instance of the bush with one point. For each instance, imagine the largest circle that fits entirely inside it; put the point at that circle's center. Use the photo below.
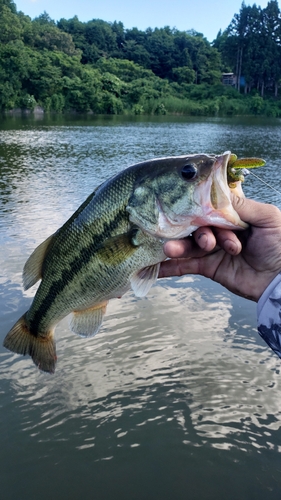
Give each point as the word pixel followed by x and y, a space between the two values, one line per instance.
pixel 111 105
pixel 138 109
pixel 160 109
pixel 256 104
pixel 28 102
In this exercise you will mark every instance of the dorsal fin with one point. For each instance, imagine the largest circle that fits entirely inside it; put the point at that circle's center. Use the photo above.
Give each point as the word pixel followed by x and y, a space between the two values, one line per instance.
pixel 32 271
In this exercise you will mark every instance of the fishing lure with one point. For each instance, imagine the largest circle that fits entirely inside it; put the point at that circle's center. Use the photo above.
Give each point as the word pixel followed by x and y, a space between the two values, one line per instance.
pixel 242 165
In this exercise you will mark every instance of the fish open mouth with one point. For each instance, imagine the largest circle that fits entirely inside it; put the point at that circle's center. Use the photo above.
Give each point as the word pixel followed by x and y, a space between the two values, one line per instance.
pixel 220 195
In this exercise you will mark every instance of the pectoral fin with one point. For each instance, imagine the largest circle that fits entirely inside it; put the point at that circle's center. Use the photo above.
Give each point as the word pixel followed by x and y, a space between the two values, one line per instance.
pixel 121 247
pixel 142 281
pixel 87 323
pixel 32 271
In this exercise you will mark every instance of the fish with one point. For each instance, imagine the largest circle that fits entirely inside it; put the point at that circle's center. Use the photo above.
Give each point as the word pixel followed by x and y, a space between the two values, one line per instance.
pixel 114 243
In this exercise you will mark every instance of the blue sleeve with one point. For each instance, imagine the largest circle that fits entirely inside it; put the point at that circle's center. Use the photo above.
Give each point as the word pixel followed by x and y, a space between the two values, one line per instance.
pixel 269 315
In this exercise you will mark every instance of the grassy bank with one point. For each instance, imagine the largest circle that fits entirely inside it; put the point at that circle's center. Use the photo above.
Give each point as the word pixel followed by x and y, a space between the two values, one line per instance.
pixel 218 106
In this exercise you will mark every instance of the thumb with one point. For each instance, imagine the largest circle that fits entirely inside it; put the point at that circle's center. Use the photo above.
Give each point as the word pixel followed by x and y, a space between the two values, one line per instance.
pixel 256 213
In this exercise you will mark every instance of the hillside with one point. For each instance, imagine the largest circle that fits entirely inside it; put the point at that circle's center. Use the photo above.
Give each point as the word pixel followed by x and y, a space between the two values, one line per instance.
pixel 102 67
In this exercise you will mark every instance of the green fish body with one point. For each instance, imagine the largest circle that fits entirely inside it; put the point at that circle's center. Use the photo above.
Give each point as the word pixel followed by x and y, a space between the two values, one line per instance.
pixel 114 242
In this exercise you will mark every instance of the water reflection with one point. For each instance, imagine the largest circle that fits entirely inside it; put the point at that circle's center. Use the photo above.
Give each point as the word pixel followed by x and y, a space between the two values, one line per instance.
pixel 147 364
pixel 171 381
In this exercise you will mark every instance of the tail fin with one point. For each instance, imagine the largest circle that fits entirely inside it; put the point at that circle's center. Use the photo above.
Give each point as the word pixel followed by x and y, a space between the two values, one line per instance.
pixel 41 349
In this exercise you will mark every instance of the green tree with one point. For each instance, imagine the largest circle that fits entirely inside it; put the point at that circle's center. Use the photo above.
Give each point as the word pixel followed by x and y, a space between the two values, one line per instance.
pixel 184 74
pixel 10 4
pixel 100 34
pixel 271 30
pixel 47 36
pixel 10 26
pixel 251 46
pixel 44 19
pixel 14 64
pixel 136 53
pixel 124 69
pixel 83 93
pixel 239 29
pixel 118 29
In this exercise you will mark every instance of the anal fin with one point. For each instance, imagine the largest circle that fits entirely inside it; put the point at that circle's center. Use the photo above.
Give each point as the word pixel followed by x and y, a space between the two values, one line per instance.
pixel 87 322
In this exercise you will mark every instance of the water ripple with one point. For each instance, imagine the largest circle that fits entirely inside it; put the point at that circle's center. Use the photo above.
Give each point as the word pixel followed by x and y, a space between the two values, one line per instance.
pixel 177 387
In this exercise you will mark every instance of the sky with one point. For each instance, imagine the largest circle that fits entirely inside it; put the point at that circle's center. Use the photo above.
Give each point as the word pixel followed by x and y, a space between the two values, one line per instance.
pixel 204 16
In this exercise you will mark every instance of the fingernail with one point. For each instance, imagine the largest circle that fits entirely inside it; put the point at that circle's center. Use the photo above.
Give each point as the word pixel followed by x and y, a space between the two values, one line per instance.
pixel 203 239
pixel 200 235
pixel 231 248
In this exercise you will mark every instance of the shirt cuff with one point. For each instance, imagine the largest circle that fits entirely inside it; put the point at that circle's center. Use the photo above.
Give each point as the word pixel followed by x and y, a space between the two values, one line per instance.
pixel 269 315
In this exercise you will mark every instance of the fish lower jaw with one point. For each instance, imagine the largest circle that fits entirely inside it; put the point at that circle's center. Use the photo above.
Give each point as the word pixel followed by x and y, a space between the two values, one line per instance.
pixel 225 218
pixel 222 219
pixel 174 231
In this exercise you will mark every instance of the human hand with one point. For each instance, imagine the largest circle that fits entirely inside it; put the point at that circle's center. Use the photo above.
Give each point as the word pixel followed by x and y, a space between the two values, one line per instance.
pixel 244 262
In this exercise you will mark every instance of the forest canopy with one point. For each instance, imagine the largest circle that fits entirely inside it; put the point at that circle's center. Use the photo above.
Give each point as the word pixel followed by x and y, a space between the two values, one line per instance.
pixel 101 67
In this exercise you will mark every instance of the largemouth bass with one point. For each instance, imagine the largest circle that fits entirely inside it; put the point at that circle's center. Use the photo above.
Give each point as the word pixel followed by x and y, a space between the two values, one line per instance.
pixel 114 242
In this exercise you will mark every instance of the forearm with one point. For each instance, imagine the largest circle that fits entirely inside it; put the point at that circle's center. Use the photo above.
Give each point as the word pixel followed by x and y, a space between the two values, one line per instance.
pixel 269 315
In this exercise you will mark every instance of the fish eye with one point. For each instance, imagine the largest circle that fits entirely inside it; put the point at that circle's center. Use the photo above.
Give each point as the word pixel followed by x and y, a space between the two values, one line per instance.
pixel 189 171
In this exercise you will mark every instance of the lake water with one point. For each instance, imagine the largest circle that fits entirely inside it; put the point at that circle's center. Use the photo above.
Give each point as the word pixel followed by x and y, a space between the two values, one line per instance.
pixel 176 397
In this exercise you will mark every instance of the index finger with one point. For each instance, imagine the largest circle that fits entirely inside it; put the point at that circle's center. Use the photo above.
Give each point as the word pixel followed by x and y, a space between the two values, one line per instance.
pixel 201 242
